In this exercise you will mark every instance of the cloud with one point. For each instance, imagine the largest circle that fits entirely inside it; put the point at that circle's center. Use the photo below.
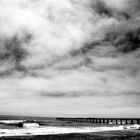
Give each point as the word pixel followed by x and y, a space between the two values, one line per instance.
pixel 56 29
pixel 70 50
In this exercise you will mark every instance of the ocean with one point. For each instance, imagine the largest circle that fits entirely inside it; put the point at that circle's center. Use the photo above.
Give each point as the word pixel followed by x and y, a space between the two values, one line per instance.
pixel 27 126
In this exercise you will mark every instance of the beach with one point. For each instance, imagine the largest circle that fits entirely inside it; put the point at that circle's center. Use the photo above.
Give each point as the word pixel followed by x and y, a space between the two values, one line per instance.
pixel 108 135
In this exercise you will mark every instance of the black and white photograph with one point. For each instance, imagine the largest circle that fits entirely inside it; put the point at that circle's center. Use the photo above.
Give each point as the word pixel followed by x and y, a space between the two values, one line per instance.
pixel 69 69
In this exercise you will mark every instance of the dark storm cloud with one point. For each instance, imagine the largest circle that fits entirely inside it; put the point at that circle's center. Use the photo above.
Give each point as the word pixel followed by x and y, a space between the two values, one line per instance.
pixel 13 52
pixel 72 94
pixel 101 8
pixel 125 37
pixel 125 41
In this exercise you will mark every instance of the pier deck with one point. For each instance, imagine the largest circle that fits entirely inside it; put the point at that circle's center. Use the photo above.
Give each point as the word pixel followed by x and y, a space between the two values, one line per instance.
pixel 103 120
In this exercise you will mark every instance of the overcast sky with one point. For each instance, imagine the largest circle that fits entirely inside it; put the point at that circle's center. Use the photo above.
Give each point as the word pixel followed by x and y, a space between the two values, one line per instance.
pixel 70 58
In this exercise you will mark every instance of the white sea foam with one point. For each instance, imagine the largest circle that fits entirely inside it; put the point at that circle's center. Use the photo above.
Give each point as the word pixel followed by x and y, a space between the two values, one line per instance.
pixel 11 121
pixel 35 129
pixel 54 130
pixel 135 126
pixel 31 125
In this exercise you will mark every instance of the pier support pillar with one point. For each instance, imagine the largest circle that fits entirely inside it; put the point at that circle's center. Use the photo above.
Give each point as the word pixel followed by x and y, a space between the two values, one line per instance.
pixel 138 121
pixel 107 121
pixel 116 121
pixel 121 121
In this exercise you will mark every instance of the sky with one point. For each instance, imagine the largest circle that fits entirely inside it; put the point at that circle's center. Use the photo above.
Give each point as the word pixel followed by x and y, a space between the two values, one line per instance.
pixel 72 58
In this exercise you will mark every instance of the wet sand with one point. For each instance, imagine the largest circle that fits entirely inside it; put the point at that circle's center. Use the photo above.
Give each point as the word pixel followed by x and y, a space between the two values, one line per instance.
pixel 110 135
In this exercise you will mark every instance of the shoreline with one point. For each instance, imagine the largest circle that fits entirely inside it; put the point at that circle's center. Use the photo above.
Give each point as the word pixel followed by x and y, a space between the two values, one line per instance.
pixel 106 135
pixel 50 130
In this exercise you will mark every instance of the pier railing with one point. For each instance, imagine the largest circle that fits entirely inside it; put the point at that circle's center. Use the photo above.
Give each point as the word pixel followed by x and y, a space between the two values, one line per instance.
pixel 103 120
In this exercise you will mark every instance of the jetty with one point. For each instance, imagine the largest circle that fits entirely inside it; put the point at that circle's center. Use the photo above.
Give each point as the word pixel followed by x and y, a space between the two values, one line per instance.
pixel 121 121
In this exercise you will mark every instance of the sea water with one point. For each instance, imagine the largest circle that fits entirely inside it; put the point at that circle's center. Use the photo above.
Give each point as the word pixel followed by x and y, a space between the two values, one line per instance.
pixel 36 129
